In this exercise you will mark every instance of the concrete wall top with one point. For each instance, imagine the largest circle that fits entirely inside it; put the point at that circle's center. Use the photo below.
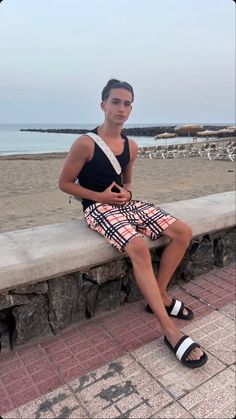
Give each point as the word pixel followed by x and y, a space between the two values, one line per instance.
pixel 36 254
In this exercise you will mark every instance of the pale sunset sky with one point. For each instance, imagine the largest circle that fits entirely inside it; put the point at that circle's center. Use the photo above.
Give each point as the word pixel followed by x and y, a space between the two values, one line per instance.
pixel 57 55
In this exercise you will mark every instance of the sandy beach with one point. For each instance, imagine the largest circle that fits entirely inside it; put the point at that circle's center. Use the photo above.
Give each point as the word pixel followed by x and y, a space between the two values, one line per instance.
pixel 30 196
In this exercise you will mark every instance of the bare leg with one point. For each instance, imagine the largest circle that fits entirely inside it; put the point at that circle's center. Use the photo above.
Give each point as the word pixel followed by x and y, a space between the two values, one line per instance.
pixel 180 235
pixel 140 257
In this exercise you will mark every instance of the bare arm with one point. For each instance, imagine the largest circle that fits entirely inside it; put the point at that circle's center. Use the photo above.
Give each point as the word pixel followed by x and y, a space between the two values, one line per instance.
pixel 128 170
pixel 80 153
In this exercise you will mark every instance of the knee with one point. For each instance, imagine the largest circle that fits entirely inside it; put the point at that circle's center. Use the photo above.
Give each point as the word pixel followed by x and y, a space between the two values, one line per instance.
pixel 186 235
pixel 181 234
pixel 138 252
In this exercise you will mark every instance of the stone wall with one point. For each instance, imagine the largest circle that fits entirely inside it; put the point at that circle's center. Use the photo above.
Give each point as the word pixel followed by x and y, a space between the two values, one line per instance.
pixel 49 306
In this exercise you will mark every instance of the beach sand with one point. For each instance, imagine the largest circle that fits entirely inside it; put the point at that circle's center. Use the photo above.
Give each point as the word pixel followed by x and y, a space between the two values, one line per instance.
pixel 30 196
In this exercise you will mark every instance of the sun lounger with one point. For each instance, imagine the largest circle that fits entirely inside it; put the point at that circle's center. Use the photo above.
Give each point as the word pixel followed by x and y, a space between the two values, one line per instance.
pixel 169 152
pixel 181 151
pixel 223 153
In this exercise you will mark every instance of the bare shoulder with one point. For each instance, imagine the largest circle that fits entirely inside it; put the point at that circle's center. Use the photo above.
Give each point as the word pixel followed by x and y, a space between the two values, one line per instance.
pixel 133 147
pixel 82 147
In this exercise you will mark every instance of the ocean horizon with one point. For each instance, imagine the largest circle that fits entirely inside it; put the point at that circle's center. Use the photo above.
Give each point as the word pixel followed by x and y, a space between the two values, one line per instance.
pixel 13 141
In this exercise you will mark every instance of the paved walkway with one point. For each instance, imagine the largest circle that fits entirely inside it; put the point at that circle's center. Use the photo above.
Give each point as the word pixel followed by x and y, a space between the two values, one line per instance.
pixel 118 366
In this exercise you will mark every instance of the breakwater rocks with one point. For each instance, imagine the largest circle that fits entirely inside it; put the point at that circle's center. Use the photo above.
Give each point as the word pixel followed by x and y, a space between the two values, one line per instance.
pixel 138 131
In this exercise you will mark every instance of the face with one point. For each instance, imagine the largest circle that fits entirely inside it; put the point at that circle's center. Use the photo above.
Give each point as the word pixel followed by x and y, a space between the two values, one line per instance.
pixel 117 106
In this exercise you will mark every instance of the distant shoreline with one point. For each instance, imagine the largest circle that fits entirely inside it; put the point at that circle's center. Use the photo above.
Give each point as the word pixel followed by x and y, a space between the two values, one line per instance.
pixel 63 154
pixel 137 131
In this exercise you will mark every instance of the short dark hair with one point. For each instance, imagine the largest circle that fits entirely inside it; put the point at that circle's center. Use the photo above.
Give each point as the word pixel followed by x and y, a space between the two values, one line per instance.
pixel 116 84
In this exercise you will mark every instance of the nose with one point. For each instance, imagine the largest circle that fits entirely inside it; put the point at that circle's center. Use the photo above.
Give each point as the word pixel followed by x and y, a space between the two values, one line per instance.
pixel 121 107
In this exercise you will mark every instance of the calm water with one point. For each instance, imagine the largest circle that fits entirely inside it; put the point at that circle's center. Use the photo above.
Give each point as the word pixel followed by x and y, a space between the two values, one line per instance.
pixel 13 141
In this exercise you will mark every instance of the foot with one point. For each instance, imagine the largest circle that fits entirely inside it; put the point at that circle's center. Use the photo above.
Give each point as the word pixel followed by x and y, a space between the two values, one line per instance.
pixel 167 300
pixel 175 309
pixel 174 336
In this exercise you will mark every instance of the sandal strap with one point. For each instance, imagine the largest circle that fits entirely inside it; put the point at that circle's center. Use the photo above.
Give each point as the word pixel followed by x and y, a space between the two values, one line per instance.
pixel 175 307
pixel 185 347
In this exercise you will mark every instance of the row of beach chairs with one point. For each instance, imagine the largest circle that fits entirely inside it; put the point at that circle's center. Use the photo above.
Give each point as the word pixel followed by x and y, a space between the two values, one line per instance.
pixel 211 151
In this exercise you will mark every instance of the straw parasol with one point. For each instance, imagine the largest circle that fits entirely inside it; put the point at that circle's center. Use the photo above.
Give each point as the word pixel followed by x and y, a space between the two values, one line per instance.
pixel 224 131
pixel 188 129
pixel 165 135
pixel 206 133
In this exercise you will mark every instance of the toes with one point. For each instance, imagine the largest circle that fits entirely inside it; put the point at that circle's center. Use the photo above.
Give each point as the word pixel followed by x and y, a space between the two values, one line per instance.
pixel 186 311
pixel 195 355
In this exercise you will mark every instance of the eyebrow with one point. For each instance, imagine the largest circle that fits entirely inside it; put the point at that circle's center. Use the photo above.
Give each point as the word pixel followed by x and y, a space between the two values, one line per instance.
pixel 120 100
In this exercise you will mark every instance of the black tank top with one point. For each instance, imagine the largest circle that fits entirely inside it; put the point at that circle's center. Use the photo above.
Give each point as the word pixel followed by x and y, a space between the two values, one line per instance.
pixel 98 173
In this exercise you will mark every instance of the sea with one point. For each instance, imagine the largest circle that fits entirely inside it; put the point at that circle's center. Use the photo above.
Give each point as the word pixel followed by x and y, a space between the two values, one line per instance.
pixel 13 141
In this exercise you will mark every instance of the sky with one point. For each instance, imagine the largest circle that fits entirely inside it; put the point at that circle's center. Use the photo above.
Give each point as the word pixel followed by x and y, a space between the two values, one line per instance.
pixel 57 55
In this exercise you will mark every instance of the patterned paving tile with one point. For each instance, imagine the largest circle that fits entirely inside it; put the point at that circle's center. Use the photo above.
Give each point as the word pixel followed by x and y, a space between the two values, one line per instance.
pixel 24 396
pixel 59 403
pixel 13 414
pixel 209 398
pixel 143 384
pixel 229 309
pixel 212 404
pixel 228 411
pixel 175 410
pixel 120 390
pixel 148 383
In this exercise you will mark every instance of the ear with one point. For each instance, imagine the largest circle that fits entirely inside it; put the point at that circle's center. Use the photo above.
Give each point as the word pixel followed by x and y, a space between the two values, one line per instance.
pixel 103 105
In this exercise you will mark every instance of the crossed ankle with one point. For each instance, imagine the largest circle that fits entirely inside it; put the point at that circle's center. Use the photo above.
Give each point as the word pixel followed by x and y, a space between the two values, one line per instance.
pixel 165 298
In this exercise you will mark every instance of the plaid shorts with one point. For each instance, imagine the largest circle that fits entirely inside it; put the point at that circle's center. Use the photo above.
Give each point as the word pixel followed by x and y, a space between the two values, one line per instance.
pixel 119 224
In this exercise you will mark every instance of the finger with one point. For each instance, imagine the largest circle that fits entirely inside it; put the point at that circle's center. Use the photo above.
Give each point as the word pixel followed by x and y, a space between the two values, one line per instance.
pixel 118 186
pixel 117 195
pixel 111 186
pixel 120 201
pixel 120 195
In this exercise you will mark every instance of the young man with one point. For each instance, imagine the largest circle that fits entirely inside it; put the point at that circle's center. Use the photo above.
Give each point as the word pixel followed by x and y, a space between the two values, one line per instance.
pixel 109 210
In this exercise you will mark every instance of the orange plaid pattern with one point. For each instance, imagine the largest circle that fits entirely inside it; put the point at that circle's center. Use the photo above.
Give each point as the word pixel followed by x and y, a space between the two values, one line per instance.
pixel 119 224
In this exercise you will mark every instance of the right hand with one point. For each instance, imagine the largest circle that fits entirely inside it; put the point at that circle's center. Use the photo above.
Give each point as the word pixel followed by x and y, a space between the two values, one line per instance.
pixel 114 198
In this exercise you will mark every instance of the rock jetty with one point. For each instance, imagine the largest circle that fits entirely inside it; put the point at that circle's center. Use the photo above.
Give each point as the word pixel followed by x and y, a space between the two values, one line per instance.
pixel 137 131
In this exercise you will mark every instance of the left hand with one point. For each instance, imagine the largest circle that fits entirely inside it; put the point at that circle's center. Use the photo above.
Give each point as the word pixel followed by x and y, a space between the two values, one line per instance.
pixel 124 195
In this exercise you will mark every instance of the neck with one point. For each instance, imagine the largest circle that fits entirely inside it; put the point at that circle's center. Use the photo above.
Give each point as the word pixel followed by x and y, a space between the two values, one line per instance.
pixel 110 130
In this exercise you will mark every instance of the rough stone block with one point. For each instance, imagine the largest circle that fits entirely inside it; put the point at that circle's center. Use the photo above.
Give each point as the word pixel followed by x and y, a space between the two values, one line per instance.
pixel 66 300
pixel 122 296
pixel 39 288
pixel 10 300
pixel 90 291
pixel 108 272
pixel 199 259
pixel 224 248
pixel 7 328
pixel 131 288
pixel 108 296
pixel 5 340
pixel 31 319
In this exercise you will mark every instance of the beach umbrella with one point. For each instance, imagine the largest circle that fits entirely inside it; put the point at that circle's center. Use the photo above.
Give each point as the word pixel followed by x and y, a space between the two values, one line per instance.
pixel 188 129
pixel 224 131
pixel 206 133
pixel 165 135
